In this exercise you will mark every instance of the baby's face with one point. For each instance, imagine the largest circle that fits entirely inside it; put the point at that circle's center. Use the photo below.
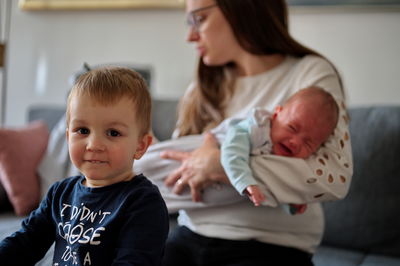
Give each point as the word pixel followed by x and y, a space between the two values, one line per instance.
pixel 297 131
pixel 103 140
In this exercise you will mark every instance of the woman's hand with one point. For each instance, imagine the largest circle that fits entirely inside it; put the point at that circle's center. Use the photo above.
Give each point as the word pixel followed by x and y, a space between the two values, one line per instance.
pixel 200 168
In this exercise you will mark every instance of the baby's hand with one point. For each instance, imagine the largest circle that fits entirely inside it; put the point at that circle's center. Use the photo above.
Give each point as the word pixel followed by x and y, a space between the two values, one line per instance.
pixel 297 208
pixel 255 194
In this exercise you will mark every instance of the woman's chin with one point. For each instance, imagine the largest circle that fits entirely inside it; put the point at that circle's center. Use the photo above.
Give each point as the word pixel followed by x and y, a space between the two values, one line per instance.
pixel 209 61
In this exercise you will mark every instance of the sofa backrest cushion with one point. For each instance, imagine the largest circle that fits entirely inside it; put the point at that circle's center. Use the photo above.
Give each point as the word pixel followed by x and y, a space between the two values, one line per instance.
pixel 164 118
pixel 368 219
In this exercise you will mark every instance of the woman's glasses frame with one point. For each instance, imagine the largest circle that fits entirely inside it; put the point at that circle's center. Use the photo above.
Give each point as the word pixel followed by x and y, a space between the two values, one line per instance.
pixel 194 20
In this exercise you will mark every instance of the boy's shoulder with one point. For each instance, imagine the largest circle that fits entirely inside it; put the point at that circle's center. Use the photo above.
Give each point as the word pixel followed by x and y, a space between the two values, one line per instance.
pixel 143 186
pixel 141 182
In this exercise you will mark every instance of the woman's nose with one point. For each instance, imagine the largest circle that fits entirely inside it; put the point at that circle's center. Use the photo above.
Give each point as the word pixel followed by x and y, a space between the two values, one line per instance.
pixel 192 35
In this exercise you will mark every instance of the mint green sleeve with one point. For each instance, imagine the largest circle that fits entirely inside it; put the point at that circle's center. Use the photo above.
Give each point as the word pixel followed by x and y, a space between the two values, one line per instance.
pixel 235 155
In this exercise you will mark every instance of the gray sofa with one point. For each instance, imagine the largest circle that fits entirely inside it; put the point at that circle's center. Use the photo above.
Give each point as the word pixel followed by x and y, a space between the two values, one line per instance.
pixel 364 228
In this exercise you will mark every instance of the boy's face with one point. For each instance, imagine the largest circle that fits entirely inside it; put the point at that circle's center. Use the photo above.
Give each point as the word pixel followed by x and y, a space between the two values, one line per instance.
pixel 104 140
pixel 297 130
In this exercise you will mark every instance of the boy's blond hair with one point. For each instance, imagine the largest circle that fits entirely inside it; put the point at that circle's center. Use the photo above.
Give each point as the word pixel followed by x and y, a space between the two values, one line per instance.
pixel 107 85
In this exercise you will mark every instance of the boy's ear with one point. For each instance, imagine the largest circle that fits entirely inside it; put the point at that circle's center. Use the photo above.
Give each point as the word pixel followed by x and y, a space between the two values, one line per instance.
pixel 278 109
pixel 66 134
pixel 143 144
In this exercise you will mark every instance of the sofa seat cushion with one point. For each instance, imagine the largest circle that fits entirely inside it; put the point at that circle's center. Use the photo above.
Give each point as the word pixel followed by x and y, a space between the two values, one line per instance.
pixel 378 260
pixel 332 256
pixel 9 223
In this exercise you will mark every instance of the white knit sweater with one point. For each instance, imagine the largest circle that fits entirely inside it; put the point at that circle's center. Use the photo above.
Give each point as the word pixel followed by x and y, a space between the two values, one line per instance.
pixel 322 177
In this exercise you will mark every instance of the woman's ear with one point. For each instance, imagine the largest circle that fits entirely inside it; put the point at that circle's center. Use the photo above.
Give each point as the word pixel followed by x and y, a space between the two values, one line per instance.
pixel 143 144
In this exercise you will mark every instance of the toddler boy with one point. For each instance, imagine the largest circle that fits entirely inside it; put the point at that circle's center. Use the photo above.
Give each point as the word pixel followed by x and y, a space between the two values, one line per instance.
pixel 108 215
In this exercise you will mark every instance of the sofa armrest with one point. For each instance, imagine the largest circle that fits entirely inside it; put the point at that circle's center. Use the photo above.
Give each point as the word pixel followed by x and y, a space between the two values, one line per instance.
pixel 163 116
pixel 368 218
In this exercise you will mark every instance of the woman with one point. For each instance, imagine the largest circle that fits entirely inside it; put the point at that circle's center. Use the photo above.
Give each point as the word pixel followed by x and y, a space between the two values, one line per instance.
pixel 249 59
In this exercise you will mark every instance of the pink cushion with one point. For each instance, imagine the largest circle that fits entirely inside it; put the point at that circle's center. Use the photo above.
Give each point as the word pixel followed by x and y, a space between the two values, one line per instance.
pixel 20 153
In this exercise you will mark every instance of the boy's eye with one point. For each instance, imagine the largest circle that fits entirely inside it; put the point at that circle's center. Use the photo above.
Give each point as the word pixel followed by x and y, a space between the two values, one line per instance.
pixel 113 133
pixel 83 131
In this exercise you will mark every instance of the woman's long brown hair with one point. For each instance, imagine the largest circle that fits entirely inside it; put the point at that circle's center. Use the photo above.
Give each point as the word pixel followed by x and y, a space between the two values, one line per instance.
pixel 261 28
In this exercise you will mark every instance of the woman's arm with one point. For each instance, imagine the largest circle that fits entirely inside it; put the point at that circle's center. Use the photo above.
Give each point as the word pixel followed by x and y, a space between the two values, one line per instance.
pixel 199 169
pixel 324 176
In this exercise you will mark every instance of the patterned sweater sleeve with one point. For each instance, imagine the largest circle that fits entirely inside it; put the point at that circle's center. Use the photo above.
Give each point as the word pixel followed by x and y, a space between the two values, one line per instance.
pixel 324 176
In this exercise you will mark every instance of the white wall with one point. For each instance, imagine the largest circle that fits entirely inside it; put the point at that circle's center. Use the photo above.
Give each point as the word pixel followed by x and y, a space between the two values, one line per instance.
pixel 47 47
pixel 363 43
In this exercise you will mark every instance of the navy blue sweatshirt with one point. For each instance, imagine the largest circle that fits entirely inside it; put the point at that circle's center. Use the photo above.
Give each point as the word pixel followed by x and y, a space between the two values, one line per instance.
pixel 122 224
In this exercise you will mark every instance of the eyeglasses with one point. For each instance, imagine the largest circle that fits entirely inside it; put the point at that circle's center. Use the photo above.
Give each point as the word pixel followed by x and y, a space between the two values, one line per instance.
pixel 194 20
